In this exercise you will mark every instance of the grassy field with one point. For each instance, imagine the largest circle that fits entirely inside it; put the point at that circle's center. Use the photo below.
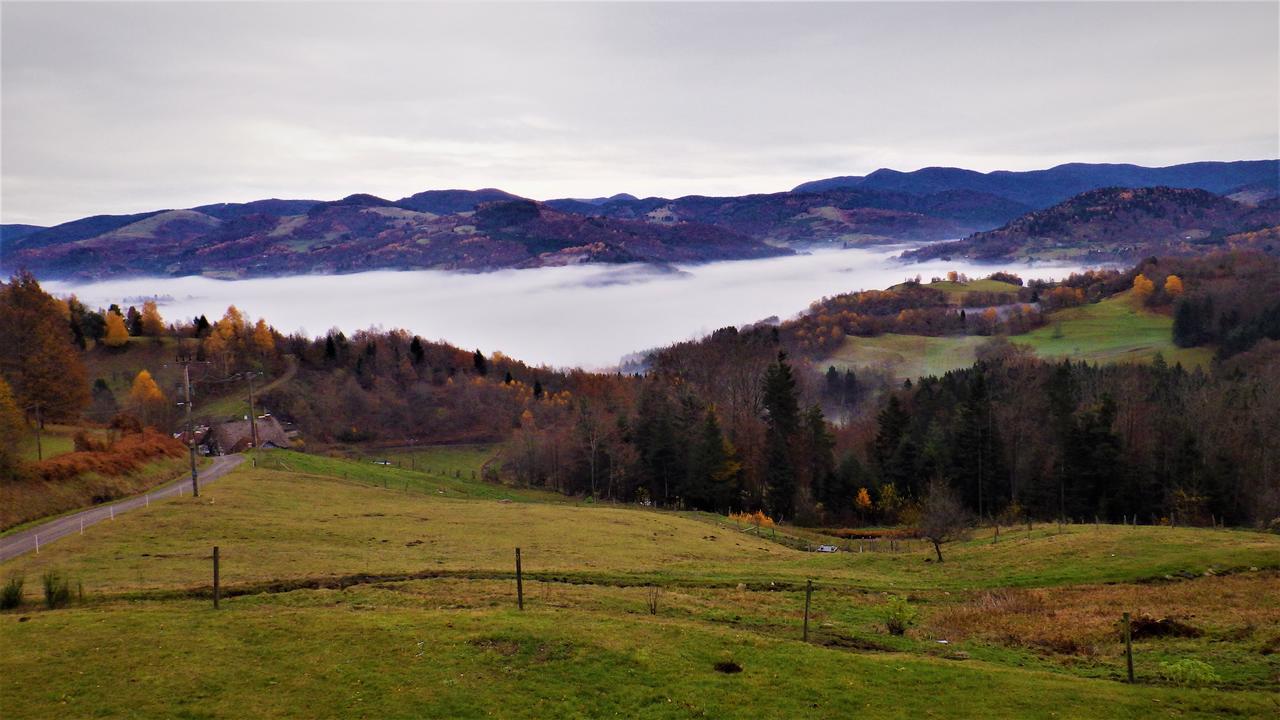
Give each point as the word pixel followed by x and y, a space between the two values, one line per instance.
pixel 354 589
pixel 1113 330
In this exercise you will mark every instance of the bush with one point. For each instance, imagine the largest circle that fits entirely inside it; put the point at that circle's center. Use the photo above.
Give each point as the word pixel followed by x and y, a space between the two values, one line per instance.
pixel 1189 672
pixel 57 590
pixel 899 616
pixel 11 593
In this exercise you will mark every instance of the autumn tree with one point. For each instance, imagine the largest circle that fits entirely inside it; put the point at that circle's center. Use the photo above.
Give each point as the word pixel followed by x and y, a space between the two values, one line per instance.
pixel 152 323
pixel 1173 285
pixel 1143 287
pixel 146 395
pixel 263 341
pixel 12 430
pixel 116 334
pixel 37 356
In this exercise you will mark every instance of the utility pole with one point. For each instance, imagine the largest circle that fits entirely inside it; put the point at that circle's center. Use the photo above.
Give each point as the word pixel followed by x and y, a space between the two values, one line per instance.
pixel 191 436
pixel 39 424
pixel 253 415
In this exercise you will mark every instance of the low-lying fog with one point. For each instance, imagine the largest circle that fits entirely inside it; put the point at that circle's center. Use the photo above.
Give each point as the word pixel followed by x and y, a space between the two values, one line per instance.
pixel 587 315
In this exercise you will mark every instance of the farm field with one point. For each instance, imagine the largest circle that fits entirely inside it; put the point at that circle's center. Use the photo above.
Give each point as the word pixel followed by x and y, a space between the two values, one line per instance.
pixel 354 596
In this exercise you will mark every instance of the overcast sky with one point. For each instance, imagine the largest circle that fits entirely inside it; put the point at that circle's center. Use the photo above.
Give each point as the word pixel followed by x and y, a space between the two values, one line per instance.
pixel 124 108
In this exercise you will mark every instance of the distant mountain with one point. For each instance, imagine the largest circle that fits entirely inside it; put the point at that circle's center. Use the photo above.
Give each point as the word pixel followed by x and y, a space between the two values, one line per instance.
pixel 1042 188
pixel 448 202
pixel 1120 224
pixel 845 215
pixel 16 231
pixel 364 232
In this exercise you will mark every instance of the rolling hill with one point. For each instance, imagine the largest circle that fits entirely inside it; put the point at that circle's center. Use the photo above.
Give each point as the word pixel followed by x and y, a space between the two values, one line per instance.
pixel 1116 224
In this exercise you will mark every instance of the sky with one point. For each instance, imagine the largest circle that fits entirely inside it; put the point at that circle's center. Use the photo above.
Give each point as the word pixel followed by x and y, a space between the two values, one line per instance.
pixel 115 108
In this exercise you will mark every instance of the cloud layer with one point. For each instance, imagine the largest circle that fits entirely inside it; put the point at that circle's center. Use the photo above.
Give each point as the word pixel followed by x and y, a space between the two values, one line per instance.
pixel 116 108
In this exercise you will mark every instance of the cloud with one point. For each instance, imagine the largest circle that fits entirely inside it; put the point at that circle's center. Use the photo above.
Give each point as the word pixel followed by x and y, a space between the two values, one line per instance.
pixel 129 107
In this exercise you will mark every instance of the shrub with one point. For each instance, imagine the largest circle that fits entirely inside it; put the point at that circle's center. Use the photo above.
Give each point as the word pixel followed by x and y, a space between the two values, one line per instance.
pixel 1188 672
pixel 899 615
pixel 57 590
pixel 11 593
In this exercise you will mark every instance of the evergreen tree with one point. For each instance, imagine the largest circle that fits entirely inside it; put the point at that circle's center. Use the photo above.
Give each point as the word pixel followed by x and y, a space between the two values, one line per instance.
pixel 782 423
pixel 416 351
pixel 133 321
pixel 481 365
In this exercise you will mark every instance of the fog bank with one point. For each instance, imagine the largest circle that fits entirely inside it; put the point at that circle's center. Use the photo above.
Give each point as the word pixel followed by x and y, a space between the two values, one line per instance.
pixel 588 315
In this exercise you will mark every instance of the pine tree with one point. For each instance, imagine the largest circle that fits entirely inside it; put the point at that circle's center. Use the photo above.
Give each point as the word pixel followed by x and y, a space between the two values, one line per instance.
pixel 415 349
pixel 782 422
pixel 133 321
pixel 480 363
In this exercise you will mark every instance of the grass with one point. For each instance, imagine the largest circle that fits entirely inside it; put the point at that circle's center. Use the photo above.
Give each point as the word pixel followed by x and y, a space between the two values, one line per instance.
pixel 1113 330
pixel 359 657
pixel 1117 329
pixel 28 501
pixel 344 598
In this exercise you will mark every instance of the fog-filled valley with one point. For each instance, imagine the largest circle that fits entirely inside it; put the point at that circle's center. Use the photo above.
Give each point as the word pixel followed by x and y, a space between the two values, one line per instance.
pixel 585 315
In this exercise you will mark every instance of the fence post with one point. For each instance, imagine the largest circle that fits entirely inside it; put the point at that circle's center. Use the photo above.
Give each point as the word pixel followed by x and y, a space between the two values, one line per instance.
pixel 217 591
pixel 37 543
pixel 996 538
pixel 808 593
pixel 519 582
pixel 1128 646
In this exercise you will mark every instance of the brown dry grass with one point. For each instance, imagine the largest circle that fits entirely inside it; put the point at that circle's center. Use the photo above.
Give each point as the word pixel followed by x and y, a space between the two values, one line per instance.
pixel 132 464
pixel 1084 619
pixel 124 456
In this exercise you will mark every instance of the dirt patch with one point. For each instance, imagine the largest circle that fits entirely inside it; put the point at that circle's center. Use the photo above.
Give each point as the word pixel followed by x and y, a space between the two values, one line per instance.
pixel 501 646
pixel 846 642
pixel 728 667
pixel 1145 626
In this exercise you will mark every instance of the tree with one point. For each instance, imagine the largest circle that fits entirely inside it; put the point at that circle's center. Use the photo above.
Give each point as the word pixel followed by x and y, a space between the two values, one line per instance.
pixel 1173 286
pixel 117 334
pixel 1143 287
pixel 263 341
pixel 133 321
pixel 862 503
pixel 942 517
pixel 12 430
pixel 37 356
pixel 146 395
pixel 782 422
pixel 481 365
pixel 151 322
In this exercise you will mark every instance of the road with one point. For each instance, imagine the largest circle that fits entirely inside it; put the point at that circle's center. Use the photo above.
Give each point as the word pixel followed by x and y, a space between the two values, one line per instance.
pixel 19 543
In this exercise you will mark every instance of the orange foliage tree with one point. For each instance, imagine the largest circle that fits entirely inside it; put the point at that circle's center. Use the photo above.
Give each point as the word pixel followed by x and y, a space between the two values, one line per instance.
pixel 152 323
pixel 1173 285
pixel 117 333
pixel 146 395
pixel 1143 287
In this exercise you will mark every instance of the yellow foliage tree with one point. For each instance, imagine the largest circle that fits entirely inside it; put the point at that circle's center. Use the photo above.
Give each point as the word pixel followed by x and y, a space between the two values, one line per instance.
pixel 117 334
pixel 152 323
pixel 263 340
pixel 146 395
pixel 1173 285
pixel 863 501
pixel 1143 286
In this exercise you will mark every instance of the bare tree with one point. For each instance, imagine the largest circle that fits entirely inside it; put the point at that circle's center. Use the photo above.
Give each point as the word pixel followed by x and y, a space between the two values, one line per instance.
pixel 942 516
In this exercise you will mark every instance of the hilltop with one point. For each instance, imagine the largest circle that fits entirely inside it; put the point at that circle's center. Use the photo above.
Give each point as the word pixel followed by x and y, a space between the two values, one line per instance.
pixel 1041 188
pixel 1120 224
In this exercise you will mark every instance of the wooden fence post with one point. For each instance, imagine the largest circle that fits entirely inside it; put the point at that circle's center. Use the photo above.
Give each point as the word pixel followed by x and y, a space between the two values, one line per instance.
pixel 1128 646
pixel 808 593
pixel 217 591
pixel 519 582
pixel 996 538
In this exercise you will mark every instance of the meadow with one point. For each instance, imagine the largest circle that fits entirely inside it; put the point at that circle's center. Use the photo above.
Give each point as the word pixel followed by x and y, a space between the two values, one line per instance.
pixel 369 590
pixel 1116 329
